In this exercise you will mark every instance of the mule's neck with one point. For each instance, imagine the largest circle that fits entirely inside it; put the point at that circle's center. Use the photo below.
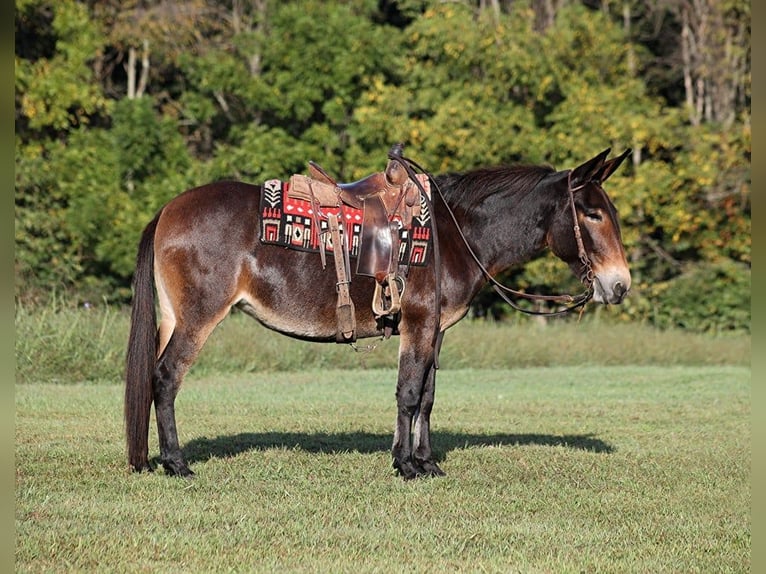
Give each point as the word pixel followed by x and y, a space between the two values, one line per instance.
pixel 505 219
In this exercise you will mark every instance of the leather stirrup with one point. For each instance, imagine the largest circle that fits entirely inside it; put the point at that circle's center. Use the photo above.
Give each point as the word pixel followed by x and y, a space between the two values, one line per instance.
pixel 380 306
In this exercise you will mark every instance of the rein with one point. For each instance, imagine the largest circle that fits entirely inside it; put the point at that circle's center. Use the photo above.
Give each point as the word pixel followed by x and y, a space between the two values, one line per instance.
pixel 573 302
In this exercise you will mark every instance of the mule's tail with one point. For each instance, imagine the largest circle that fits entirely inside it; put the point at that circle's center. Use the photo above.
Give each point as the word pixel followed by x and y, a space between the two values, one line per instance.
pixel 142 354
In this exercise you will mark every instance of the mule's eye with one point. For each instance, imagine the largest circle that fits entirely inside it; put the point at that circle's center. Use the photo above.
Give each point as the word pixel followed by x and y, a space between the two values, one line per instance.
pixel 593 215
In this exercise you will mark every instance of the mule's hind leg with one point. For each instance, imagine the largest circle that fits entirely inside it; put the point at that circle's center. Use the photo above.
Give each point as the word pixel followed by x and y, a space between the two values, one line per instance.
pixel 174 362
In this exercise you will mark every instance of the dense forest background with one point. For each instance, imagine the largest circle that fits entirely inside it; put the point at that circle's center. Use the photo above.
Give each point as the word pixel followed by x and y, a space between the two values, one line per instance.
pixel 121 105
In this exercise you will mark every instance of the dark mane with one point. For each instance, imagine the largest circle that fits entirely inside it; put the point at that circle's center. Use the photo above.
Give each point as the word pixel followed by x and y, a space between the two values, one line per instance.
pixel 465 190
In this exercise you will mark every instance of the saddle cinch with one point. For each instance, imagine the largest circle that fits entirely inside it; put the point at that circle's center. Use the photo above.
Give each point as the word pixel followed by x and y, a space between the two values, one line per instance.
pixel 389 201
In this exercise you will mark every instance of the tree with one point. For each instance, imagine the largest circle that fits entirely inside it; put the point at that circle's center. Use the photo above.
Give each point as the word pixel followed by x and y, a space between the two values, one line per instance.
pixel 715 45
pixel 121 105
pixel 55 95
pixel 55 87
pixel 156 32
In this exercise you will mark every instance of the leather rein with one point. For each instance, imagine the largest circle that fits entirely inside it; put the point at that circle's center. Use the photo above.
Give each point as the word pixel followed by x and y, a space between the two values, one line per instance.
pixel 572 302
pixel 588 277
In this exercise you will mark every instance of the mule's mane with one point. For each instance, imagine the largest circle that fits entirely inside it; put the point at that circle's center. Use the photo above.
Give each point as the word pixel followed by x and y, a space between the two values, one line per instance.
pixel 465 190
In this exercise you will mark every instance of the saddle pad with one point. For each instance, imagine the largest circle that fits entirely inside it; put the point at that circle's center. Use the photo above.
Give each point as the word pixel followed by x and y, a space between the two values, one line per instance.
pixel 289 222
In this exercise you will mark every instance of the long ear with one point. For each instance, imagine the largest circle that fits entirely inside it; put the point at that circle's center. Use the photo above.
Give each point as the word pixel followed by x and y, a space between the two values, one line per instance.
pixel 611 166
pixel 586 172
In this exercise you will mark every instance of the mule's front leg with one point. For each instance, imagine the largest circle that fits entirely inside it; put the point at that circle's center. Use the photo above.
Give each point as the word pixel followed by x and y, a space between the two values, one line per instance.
pixel 402 451
pixel 415 366
pixel 422 455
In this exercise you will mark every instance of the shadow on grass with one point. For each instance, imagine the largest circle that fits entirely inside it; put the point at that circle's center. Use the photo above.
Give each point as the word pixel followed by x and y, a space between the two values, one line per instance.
pixel 202 449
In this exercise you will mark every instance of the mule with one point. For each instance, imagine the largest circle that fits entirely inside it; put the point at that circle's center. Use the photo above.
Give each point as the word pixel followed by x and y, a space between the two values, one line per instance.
pixel 201 255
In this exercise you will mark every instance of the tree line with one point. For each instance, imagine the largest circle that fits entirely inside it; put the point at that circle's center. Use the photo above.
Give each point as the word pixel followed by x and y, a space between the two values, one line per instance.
pixel 120 105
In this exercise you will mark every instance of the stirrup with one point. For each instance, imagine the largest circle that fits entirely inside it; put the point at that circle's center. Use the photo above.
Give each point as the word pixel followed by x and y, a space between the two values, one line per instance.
pixel 394 289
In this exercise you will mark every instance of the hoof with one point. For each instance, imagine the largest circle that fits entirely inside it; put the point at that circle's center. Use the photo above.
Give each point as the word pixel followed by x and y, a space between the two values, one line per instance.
pixel 417 469
pixel 406 470
pixel 178 469
pixel 428 468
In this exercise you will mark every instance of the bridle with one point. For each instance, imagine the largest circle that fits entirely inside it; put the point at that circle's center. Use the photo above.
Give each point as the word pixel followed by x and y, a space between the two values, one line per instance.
pixel 577 302
pixel 572 302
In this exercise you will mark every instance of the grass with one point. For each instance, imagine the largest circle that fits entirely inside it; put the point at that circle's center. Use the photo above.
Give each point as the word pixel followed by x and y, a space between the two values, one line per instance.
pixel 594 468
pixel 590 447
pixel 58 344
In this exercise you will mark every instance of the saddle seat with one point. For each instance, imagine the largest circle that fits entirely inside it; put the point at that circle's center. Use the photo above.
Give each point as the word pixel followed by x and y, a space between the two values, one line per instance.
pixel 389 201
pixel 390 184
pixel 399 194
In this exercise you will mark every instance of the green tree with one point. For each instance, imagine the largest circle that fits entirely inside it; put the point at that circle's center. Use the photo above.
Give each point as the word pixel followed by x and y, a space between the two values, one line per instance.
pixel 284 83
pixel 467 92
pixel 56 93
pixel 122 105
pixel 117 179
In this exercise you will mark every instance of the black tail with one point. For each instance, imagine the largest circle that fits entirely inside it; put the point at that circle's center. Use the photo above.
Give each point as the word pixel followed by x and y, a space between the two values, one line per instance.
pixel 142 353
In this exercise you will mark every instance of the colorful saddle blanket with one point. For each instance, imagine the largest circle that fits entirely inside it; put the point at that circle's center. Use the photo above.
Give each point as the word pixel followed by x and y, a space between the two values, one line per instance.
pixel 290 222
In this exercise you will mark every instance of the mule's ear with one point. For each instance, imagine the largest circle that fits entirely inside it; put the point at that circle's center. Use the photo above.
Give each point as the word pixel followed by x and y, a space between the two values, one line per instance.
pixel 611 166
pixel 586 172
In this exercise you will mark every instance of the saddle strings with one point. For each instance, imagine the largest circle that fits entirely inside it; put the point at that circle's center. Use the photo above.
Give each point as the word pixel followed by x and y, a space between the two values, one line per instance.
pixel 577 302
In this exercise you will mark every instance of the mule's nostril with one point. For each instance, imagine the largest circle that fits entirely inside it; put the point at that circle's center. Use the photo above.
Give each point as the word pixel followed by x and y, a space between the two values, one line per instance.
pixel 619 291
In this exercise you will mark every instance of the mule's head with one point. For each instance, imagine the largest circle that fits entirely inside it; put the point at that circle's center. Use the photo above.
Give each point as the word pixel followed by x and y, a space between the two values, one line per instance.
pixel 599 229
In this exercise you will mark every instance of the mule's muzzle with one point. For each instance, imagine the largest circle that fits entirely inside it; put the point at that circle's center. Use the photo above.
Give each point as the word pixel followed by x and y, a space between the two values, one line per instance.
pixel 611 289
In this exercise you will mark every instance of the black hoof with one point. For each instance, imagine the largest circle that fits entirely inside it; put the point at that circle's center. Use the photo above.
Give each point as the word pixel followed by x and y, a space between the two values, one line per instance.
pixel 177 469
pixel 428 468
pixel 418 469
pixel 406 470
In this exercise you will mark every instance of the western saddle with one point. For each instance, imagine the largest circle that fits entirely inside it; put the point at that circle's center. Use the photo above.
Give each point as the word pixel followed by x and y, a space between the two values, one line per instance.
pixel 389 200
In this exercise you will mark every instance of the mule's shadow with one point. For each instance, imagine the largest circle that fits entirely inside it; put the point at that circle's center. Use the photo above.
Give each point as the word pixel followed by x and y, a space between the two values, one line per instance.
pixel 204 448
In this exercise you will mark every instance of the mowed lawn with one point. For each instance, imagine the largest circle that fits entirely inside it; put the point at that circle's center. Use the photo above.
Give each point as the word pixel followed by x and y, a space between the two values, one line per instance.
pixel 549 469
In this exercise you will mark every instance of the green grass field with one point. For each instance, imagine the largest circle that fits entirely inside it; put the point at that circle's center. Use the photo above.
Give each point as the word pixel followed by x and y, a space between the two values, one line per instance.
pixel 550 469
pixel 590 447
pixel 65 345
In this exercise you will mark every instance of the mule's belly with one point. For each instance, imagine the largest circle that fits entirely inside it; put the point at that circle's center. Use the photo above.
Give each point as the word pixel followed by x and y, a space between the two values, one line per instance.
pixel 291 293
pixel 307 326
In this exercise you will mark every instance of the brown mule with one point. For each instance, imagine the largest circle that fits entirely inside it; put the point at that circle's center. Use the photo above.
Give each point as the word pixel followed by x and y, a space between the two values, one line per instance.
pixel 202 255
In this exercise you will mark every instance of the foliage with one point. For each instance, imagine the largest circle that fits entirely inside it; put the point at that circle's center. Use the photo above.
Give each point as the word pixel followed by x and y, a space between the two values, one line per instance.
pixel 46 259
pixel 122 105
pixel 708 298
pixel 59 92
pixel 102 186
